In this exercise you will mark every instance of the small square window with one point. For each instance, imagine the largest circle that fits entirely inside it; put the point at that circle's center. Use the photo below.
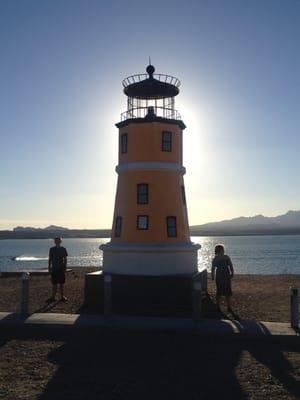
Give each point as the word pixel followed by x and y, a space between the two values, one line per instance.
pixel 142 193
pixel 124 143
pixel 171 227
pixel 118 226
pixel 166 141
pixel 143 222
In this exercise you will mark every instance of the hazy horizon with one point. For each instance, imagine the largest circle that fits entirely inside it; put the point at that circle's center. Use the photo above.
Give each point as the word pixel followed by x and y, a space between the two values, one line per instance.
pixel 62 68
pixel 86 227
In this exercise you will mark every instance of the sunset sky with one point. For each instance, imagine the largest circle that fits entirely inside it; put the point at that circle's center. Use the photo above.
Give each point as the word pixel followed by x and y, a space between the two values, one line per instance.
pixel 61 70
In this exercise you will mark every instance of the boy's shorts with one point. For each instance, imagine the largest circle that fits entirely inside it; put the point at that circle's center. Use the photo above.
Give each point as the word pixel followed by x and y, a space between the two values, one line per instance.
pixel 58 276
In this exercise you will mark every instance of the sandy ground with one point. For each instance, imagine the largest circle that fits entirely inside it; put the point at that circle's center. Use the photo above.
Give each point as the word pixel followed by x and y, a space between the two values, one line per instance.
pixel 129 365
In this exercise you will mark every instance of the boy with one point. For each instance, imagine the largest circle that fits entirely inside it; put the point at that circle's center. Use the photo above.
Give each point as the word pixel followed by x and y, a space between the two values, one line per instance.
pixel 57 265
pixel 223 265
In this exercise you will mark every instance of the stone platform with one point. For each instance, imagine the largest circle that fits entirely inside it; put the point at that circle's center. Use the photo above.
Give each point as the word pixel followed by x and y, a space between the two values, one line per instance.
pixel 167 295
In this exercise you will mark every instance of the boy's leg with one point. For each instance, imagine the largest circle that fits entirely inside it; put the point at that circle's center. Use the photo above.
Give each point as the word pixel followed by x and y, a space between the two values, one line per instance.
pixel 63 298
pixel 218 298
pixel 62 290
pixel 228 301
pixel 54 288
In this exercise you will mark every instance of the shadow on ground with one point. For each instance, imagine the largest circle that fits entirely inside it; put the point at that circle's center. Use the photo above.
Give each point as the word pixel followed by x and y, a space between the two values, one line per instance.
pixel 127 365
pixel 143 366
pixel 104 364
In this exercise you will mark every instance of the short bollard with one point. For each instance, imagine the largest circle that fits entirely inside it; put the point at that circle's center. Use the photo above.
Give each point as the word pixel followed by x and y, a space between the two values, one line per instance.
pixel 294 308
pixel 197 300
pixel 107 295
pixel 25 293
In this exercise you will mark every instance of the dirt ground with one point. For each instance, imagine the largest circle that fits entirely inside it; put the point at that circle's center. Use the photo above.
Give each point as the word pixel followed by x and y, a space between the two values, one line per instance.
pixel 123 365
pixel 130 365
pixel 259 297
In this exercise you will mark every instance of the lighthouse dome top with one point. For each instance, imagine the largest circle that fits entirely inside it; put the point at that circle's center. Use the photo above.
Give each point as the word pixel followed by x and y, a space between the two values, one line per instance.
pixel 151 85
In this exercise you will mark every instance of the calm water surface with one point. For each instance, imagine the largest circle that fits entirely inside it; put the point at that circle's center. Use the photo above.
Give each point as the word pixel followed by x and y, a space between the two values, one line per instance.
pixel 250 254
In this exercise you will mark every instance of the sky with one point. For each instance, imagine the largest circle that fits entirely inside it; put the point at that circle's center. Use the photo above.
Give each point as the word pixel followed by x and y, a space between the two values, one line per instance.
pixel 61 71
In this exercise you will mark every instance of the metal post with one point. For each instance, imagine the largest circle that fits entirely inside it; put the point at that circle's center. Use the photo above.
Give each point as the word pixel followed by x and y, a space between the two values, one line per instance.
pixel 197 300
pixel 294 308
pixel 25 293
pixel 107 295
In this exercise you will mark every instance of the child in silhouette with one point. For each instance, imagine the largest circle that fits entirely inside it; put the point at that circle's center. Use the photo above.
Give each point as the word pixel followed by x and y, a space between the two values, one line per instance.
pixel 222 270
pixel 57 266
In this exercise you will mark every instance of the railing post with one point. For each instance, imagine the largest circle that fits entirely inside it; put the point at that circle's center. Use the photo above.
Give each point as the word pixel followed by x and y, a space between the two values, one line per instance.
pixel 294 308
pixel 197 300
pixel 107 295
pixel 25 293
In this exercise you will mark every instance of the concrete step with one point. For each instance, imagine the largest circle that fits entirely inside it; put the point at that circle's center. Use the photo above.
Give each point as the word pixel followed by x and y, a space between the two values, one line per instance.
pixel 217 327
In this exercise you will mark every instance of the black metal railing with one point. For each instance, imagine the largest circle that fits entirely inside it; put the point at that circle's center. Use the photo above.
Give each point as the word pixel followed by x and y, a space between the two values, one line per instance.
pixel 143 112
pixel 130 80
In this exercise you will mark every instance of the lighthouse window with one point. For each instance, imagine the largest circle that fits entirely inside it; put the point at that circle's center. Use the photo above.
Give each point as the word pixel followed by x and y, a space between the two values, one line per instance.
pixel 124 143
pixel 183 195
pixel 166 144
pixel 171 227
pixel 143 222
pixel 142 193
pixel 118 226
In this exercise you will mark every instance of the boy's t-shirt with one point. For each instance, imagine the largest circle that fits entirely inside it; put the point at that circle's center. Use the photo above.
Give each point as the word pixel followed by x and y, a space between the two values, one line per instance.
pixel 57 255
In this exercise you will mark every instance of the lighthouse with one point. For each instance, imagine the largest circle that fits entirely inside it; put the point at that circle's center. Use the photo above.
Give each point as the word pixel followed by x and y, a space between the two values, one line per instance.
pixel 150 230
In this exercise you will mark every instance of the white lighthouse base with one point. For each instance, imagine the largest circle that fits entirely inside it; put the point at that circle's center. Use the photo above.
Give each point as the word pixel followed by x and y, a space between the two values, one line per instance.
pixel 150 259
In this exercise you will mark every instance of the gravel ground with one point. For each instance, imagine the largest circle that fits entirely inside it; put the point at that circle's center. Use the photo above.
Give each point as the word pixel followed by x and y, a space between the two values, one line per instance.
pixel 147 366
pixel 123 365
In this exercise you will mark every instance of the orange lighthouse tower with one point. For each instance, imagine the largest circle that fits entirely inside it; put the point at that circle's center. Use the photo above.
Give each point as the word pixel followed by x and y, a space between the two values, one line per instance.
pixel 150 232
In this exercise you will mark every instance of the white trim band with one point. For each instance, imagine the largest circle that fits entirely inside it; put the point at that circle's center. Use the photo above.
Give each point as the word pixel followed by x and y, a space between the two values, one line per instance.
pixel 143 259
pixel 149 247
pixel 150 165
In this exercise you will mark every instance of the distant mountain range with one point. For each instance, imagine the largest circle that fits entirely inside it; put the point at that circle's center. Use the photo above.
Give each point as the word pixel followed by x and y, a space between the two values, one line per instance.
pixel 286 224
pixel 51 231
pixel 50 228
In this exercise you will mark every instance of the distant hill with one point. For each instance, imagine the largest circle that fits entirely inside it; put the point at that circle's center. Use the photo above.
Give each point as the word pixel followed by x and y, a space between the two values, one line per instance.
pixel 288 223
pixel 51 228
pixel 51 231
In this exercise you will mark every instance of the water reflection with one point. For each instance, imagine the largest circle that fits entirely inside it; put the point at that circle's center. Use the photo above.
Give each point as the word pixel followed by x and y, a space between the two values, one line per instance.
pixel 254 254
pixel 250 254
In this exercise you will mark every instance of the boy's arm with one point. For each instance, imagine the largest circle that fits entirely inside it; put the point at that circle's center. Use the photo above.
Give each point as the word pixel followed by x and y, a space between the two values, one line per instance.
pixel 65 263
pixel 230 267
pixel 65 260
pixel 50 261
pixel 213 270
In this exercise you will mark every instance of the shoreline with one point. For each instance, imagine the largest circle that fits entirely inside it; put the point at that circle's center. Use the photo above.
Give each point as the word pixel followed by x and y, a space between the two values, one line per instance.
pixel 193 234
pixel 4 273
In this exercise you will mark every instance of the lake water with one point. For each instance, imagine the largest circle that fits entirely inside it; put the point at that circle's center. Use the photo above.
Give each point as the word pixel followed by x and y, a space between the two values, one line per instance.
pixel 250 254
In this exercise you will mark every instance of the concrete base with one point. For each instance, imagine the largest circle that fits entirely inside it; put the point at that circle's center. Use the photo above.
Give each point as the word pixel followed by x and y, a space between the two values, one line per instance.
pixel 144 295
pixel 94 291
pixel 158 259
pixel 48 324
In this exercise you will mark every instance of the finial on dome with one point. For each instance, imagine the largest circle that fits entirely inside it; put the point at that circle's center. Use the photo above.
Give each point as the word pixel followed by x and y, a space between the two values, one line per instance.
pixel 150 69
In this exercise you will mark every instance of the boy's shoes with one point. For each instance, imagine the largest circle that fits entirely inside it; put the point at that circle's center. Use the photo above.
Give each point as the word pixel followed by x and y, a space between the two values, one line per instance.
pixel 50 300
pixel 64 299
